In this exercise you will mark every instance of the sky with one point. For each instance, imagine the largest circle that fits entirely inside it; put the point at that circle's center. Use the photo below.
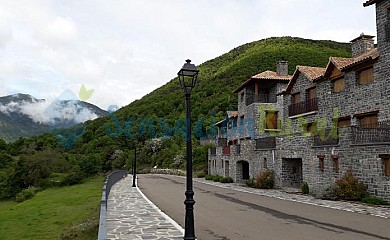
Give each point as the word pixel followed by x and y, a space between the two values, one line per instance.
pixel 124 49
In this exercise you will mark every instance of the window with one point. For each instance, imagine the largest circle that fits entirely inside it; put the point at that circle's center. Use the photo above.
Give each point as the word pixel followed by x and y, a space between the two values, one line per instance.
pixel 271 120
pixel 339 85
pixel 265 162
pixel 368 120
pixel 366 76
pixel 311 93
pixel 311 127
pixel 344 122
pixel 322 164
pixel 242 97
pixel 336 164
pixel 296 98
pixel 386 164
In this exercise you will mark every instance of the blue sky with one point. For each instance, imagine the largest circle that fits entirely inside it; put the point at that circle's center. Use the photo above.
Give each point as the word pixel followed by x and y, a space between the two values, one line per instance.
pixel 125 49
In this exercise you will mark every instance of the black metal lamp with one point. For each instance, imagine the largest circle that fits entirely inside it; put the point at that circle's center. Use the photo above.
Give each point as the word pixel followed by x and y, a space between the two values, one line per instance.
pixel 135 165
pixel 188 77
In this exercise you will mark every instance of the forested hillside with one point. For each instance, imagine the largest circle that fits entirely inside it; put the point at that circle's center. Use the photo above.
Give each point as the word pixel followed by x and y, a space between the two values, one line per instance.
pixel 155 123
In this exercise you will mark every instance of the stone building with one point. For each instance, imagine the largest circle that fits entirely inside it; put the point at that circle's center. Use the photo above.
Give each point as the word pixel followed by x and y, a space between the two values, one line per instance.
pixel 318 123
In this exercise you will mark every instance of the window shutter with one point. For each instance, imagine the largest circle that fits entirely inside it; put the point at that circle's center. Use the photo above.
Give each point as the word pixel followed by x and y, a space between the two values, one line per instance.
pixel 271 120
pixel 369 121
pixel 339 85
pixel 296 98
pixel 312 93
pixel 366 76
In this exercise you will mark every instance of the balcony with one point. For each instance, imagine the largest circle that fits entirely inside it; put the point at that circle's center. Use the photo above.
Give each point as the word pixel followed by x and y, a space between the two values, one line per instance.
pixel 303 107
pixel 266 143
pixel 325 139
pixel 226 150
pixel 261 98
pixel 380 133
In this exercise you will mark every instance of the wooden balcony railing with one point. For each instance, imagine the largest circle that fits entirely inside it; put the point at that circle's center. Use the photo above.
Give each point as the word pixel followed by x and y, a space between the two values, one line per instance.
pixel 303 107
pixel 266 143
pixel 261 98
pixel 376 133
pixel 226 150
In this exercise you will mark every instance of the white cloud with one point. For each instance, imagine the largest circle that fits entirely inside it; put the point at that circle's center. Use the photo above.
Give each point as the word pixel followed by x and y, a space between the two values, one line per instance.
pixel 126 49
pixel 50 112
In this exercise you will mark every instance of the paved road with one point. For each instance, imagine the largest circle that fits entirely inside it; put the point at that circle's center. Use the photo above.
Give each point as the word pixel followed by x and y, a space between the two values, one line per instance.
pixel 228 214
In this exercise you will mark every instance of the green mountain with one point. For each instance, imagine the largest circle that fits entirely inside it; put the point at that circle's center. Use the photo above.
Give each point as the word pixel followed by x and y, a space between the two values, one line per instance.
pixel 220 76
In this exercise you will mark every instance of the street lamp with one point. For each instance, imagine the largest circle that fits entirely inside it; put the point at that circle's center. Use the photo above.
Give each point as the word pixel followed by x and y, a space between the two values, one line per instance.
pixel 188 77
pixel 135 164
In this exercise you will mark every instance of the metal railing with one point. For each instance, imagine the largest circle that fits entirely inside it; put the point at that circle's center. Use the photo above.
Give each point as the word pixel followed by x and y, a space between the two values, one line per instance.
pixel 303 107
pixel 326 139
pixel 266 143
pixel 111 179
pixel 376 133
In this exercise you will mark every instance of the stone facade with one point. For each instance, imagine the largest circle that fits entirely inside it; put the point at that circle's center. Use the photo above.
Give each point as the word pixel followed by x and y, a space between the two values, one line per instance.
pixel 309 145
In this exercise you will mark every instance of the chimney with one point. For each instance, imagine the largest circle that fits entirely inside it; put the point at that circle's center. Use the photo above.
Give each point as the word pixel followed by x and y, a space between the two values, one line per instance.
pixel 361 44
pixel 282 68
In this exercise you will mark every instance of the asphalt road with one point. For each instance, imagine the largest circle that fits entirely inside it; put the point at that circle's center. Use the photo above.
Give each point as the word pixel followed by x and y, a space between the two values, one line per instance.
pixel 227 214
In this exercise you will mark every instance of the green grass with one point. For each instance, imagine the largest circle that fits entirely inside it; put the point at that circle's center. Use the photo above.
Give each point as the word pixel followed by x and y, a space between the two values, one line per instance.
pixel 55 213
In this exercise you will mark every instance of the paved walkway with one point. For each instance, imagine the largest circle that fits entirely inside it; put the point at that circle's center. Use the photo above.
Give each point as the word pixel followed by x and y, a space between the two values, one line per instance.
pixel 131 215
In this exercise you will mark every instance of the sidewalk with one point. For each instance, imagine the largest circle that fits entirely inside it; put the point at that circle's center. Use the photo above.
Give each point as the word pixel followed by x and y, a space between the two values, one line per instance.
pixel 131 216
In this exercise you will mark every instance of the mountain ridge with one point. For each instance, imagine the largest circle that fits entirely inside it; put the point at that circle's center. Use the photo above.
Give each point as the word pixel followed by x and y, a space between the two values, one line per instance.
pixel 22 115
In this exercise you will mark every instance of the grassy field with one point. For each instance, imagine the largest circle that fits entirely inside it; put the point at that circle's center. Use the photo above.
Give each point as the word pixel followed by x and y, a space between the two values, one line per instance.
pixel 55 213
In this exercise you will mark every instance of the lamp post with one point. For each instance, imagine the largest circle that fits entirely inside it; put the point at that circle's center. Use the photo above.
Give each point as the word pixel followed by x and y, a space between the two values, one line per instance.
pixel 188 77
pixel 135 164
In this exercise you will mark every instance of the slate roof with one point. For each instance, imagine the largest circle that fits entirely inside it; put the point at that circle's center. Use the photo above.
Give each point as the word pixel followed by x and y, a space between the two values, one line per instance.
pixel 266 75
pixel 312 73
pixel 346 63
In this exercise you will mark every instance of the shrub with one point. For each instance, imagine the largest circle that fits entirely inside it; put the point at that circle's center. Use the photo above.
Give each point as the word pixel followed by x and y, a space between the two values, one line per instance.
pixel 226 180
pixel 374 201
pixel 328 193
pixel 349 188
pixel 217 178
pixel 265 180
pixel 201 175
pixel 208 177
pixel 250 182
pixel 305 188
pixel 72 178
pixel 26 194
